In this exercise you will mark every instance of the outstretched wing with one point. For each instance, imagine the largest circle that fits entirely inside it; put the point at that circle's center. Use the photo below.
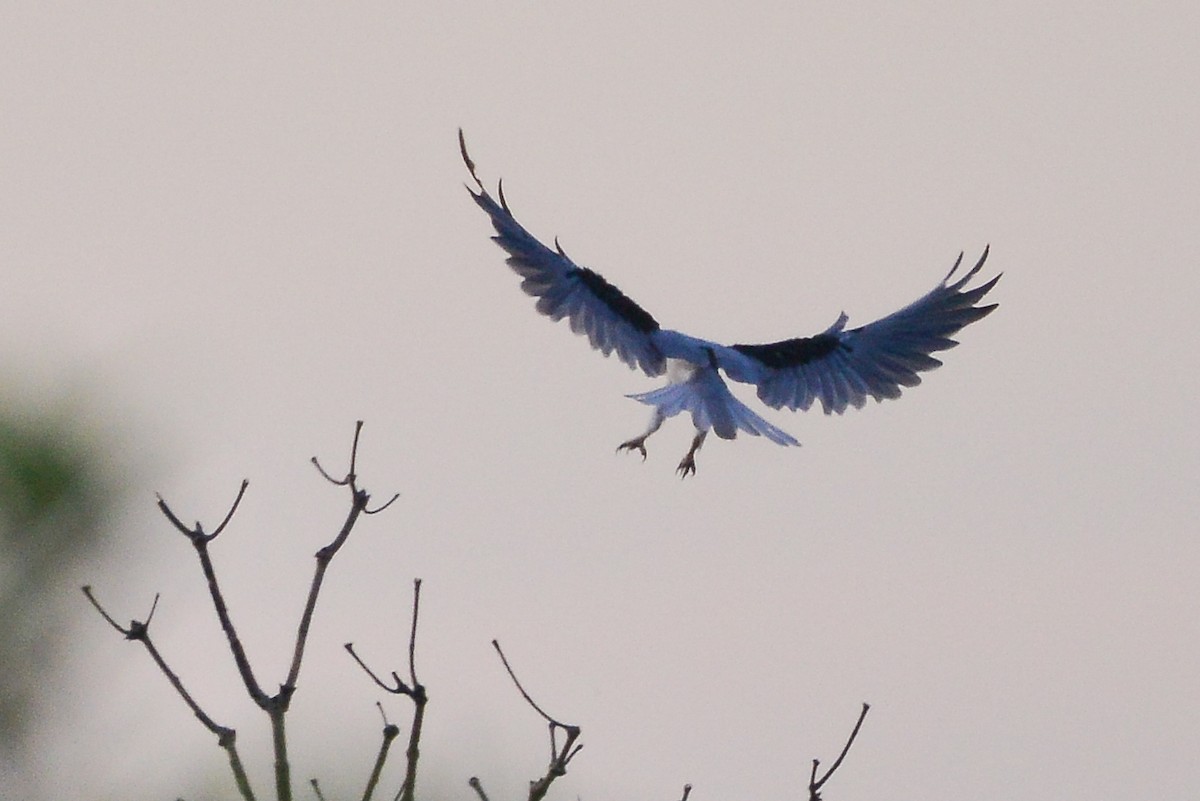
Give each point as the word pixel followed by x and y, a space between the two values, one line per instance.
pixel 591 304
pixel 842 368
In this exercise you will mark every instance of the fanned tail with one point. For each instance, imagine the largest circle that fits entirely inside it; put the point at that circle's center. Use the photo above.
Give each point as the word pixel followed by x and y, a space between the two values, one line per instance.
pixel 719 410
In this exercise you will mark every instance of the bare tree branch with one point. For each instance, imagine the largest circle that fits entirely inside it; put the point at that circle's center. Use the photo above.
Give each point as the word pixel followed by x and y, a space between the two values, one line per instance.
pixel 230 513
pixel 324 556
pixel 559 757
pixel 277 711
pixel 200 542
pixel 415 691
pixel 420 698
pixel 276 706
pixel 400 689
pixel 815 784
pixel 198 529
pixel 525 695
pixel 377 510
pixel 226 737
pixel 359 498
pixel 477 786
pixel 412 633
pixel 390 732
pixel 351 477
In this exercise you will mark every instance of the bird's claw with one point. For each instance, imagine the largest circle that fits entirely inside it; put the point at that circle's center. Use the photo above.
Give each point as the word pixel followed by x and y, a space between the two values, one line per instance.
pixel 634 445
pixel 687 467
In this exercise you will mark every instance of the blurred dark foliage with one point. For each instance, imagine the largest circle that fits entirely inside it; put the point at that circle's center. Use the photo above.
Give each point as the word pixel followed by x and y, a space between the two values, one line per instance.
pixel 56 488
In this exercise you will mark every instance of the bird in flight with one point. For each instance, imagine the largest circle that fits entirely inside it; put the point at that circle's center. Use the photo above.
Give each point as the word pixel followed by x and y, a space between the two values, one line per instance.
pixel 839 367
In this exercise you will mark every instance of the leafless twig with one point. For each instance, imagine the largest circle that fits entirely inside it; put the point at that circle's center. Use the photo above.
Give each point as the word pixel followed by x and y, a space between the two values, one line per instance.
pixel 200 541
pixel 559 757
pixel 815 784
pixel 226 737
pixel 390 732
pixel 477 786
pixel 359 498
pixel 414 690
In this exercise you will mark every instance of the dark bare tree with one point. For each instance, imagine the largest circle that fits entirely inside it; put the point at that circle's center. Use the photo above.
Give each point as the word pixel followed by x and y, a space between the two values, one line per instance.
pixel 564 737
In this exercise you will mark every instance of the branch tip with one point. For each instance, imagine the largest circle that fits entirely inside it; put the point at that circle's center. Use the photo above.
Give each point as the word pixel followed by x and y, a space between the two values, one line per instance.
pixel 382 714
pixel 400 689
pixel 230 513
pixel 87 591
pixel 381 508
pixel 477 786
pixel 815 784
pixel 153 607
pixel 572 731
pixel 559 757
pixel 341 482
pixel 354 448
pixel 412 635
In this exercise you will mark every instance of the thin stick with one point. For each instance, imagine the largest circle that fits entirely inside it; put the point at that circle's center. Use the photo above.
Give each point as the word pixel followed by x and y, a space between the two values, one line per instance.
pixel 390 732
pixel 525 695
pixel 477 786
pixel 323 556
pixel 232 509
pixel 412 753
pixel 400 689
pixel 412 634
pixel 815 784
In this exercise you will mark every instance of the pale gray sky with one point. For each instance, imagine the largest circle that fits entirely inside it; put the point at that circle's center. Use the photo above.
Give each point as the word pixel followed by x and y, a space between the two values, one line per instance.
pixel 241 230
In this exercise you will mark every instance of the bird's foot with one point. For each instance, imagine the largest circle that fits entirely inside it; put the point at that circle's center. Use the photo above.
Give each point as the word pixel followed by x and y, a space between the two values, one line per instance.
pixel 636 444
pixel 687 467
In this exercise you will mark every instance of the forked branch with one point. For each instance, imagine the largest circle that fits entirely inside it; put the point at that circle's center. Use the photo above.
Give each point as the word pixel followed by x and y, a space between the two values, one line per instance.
pixel 359 499
pixel 226 737
pixel 275 706
pixel 200 540
pixel 815 784
pixel 560 756
pixel 414 690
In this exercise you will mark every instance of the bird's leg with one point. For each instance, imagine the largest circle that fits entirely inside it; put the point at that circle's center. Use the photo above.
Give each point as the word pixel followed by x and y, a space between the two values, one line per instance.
pixel 639 443
pixel 688 466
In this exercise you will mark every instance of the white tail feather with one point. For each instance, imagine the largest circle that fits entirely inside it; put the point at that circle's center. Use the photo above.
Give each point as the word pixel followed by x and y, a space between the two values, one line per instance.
pixel 712 406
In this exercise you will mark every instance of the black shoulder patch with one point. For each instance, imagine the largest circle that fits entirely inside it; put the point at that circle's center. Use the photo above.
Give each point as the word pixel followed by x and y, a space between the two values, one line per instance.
pixel 616 300
pixel 791 352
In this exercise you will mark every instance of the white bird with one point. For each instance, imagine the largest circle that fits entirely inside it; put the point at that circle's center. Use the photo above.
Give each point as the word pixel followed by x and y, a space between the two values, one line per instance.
pixel 838 367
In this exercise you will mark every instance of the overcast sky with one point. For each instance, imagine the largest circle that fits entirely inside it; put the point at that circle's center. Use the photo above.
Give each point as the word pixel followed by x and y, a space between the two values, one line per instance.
pixel 227 234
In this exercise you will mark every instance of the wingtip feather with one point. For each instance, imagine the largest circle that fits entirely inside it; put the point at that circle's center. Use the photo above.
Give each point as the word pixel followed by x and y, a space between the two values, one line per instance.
pixel 462 147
